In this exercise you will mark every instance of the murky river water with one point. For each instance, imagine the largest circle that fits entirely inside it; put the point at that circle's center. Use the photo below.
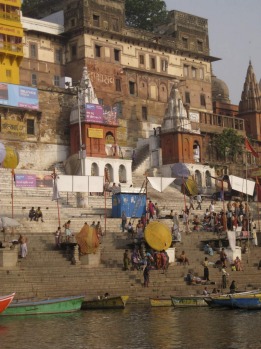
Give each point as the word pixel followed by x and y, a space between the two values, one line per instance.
pixel 135 327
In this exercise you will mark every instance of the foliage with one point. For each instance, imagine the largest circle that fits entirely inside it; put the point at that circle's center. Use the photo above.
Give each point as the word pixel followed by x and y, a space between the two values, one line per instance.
pixel 145 14
pixel 228 143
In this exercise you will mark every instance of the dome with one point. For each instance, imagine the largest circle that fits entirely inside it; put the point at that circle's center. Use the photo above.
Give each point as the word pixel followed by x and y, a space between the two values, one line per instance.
pixel 220 91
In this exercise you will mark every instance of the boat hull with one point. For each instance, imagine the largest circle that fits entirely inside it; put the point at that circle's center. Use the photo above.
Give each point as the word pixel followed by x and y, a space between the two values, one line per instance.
pixel 189 301
pixel 106 303
pixel 50 306
pixel 244 300
pixel 160 302
pixel 5 301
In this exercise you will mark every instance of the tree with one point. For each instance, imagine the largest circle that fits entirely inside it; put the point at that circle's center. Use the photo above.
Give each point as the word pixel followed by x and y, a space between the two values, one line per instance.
pixel 228 143
pixel 145 14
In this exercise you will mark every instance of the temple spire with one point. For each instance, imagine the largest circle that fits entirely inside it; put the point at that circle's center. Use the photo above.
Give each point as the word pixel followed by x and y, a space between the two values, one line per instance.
pixel 251 96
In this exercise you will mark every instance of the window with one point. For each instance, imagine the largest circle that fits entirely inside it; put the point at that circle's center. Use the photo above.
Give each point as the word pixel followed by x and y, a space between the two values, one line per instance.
pixel 186 70
pixel 73 22
pixel 152 63
pixel 184 42
pixel 8 73
pixel 56 80
pixel 34 79
pixel 97 51
pixel 30 126
pixel 58 55
pixel 118 85
pixel 200 45
pixel 164 65
pixel 201 73
pixel 132 87
pixel 96 20
pixel 100 101
pixel 202 100
pixel 187 97
pixel 142 59
pixel 118 107
pixel 144 112
pixel 33 50
pixel 115 24
pixel 73 51
pixel 194 72
pixel 117 55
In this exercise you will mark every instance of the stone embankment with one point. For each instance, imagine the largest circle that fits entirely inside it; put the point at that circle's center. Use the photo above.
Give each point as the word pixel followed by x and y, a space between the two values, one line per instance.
pixel 47 272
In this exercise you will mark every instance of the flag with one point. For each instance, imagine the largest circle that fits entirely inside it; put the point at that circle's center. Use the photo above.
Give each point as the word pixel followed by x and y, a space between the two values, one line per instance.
pixel 250 148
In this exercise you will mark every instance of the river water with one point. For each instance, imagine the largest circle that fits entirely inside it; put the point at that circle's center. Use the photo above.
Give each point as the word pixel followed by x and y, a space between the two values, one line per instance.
pixel 136 327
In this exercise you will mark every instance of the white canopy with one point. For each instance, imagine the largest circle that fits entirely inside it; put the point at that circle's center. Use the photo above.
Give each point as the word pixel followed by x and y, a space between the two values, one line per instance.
pixel 160 183
pixel 242 185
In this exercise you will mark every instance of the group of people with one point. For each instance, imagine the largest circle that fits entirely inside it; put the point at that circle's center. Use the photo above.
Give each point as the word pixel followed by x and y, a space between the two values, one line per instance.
pixel 145 260
pixel 35 215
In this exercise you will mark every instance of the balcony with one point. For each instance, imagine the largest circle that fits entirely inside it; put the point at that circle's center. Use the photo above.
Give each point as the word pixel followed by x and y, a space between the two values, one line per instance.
pixel 10 16
pixel 13 49
pixel 215 123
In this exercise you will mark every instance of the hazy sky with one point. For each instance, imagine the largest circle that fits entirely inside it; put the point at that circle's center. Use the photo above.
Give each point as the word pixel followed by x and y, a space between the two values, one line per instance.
pixel 234 36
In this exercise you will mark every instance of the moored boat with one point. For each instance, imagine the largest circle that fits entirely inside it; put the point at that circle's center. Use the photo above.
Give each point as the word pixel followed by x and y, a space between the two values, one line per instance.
pixel 244 300
pixel 46 306
pixel 188 301
pixel 117 302
pixel 5 301
pixel 160 302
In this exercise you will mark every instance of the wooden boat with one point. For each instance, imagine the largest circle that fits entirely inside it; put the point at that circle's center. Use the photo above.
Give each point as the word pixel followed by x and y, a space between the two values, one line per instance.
pixel 188 301
pixel 5 301
pixel 118 302
pixel 244 300
pixel 46 306
pixel 160 302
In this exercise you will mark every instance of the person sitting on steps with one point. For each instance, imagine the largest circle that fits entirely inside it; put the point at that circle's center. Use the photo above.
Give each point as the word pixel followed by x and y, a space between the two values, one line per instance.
pixel 38 214
pixel 32 214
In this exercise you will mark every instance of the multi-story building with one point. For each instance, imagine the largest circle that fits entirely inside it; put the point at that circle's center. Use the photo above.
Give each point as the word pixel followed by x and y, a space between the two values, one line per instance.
pixel 130 70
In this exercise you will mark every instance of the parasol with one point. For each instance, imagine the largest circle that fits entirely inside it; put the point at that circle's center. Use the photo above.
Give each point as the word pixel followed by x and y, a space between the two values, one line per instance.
pixel 158 236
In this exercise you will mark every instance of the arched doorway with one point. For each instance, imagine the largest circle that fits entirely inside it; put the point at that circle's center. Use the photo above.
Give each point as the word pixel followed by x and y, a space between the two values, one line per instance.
pixel 94 169
pixel 110 144
pixel 122 174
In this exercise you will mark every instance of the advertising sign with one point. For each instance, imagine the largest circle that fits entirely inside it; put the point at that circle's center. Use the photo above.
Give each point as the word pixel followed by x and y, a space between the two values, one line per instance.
pixel 99 114
pixel 25 181
pixel 19 96
pixel 12 2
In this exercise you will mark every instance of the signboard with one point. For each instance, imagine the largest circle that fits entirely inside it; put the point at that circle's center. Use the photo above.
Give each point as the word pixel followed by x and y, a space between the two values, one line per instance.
pixel 242 185
pixel 12 31
pixel 13 127
pixel 25 181
pixel 95 132
pixel 82 184
pixel 194 116
pixel 99 114
pixel 19 96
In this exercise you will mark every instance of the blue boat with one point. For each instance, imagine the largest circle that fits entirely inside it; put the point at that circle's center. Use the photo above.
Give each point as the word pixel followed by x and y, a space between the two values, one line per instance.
pixel 242 300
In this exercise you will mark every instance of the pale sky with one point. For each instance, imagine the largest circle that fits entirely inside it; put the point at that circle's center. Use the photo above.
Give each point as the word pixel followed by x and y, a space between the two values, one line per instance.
pixel 234 36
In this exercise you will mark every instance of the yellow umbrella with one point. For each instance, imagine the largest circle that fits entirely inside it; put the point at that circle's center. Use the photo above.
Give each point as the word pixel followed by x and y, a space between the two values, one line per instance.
pixel 158 236
pixel 11 159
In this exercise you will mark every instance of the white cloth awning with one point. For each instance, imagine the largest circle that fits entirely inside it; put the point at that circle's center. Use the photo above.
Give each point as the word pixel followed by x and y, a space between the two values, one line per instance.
pixel 160 183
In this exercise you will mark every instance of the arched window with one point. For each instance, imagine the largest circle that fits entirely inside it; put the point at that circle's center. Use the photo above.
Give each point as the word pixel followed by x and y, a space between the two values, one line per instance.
pixel 196 151
pixel 198 179
pixel 122 174
pixel 109 173
pixel 208 179
pixel 94 169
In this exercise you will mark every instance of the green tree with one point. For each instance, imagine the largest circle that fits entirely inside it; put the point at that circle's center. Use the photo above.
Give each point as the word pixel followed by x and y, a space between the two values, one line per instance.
pixel 145 14
pixel 228 144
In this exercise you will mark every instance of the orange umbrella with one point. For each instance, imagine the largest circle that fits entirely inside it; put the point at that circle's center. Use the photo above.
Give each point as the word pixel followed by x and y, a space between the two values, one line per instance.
pixel 158 236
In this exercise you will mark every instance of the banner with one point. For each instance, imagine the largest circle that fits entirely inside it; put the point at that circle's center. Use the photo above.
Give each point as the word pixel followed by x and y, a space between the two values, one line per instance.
pixel 19 96
pixel 80 184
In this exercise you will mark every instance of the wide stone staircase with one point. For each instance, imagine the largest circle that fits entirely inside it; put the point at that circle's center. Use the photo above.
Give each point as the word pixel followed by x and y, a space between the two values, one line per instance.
pixel 48 272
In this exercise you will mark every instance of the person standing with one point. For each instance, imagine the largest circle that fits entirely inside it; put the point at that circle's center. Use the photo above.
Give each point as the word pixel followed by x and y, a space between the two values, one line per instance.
pixel 146 275
pixel 126 260
pixel 199 201
pixel 123 221
pixel 232 288
pixel 206 271
pixel 191 202
pixel 22 240
pixel 224 277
